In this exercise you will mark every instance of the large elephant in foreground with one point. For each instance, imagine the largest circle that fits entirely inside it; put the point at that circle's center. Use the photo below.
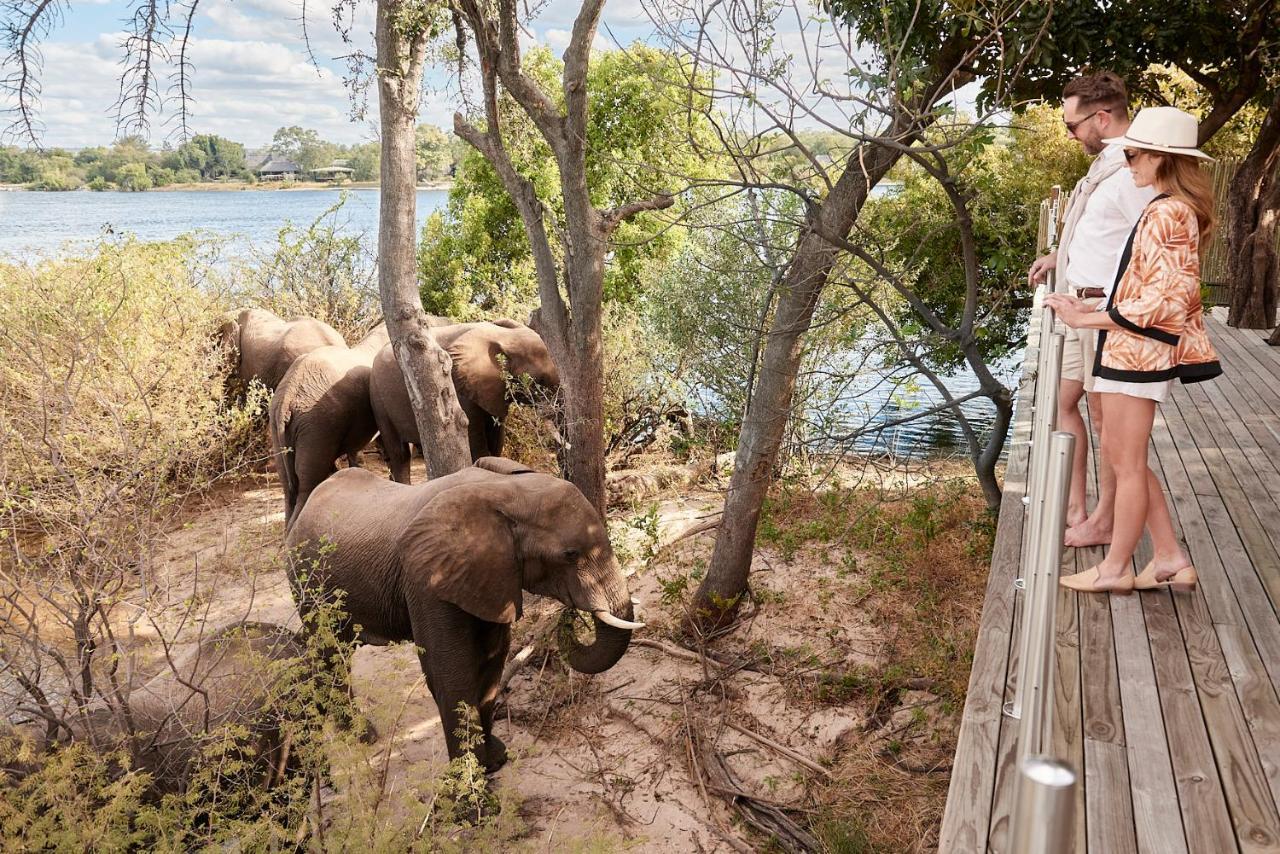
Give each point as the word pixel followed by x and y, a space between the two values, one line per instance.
pixel 227 680
pixel 484 355
pixel 444 563
pixel 262 346
pixel 321 412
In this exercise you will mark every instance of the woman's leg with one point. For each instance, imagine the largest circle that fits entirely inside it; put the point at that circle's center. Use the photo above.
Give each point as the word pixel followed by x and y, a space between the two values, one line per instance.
pixel 1167 553
pixel 1126 432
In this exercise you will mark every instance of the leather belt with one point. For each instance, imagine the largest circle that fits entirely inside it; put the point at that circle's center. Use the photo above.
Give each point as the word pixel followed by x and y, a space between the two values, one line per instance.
pixel 1089 293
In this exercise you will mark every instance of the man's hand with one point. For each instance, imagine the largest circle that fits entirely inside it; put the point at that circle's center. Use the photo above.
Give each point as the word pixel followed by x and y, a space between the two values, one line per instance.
pixel 1040 269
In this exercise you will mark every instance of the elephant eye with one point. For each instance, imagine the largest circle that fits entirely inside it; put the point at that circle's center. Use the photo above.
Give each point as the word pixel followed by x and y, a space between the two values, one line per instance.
pixel 571 555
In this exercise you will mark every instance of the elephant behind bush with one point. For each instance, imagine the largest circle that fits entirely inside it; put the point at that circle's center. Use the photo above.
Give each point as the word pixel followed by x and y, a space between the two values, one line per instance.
pixel 261 346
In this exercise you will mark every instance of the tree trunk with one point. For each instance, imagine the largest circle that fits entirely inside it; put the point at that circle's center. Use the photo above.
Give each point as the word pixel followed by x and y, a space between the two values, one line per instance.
pixel 425 365
pixel 1252 224
pixel 770 407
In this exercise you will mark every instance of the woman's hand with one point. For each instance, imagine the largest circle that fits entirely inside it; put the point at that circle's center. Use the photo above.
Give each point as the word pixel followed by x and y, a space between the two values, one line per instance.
pixel 1070 310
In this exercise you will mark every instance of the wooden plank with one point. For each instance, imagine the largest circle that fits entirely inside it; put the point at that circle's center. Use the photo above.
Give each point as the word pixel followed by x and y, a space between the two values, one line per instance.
pixel 967 818
pixel 1253 811
pixel 1108 801
pixel 1150 773
pixel 1223 461
pixel 1106 769
pixel 1068 739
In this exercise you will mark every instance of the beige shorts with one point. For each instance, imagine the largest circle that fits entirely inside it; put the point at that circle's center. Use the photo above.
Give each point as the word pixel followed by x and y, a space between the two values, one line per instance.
pixel 1078 349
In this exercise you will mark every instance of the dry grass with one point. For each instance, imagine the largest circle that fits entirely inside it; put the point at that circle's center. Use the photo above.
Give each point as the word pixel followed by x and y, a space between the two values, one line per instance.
pixel 916 564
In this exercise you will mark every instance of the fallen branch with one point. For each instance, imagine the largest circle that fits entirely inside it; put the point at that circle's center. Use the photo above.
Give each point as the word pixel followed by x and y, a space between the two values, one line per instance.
pixel 782 749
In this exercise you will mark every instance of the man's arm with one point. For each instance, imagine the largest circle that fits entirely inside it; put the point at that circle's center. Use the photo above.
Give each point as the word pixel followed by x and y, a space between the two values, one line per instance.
pixel 1040 268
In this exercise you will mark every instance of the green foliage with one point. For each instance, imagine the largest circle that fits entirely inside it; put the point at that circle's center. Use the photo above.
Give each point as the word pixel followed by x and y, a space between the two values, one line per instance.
pixel 303 146
pixel 1004 176
pixel 720 291
pixel 133 177
pixel 434 153
pixel 475 250
pixel 209 155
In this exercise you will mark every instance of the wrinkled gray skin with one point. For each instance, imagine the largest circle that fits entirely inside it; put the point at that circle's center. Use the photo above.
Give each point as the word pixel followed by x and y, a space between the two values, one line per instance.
pixel 261 346
pixel 480 353
pixel 442 564
pixel 320 412
pixel 225 681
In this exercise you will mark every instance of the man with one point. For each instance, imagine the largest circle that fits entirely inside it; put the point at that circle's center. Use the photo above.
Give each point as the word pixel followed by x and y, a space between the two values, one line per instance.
pixel 1103 209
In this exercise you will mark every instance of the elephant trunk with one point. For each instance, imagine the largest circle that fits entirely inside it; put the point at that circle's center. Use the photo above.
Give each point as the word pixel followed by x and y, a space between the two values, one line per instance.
pixel 608 647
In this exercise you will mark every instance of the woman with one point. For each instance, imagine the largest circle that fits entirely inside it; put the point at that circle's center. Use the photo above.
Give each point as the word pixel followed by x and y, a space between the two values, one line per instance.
pixel 1151 332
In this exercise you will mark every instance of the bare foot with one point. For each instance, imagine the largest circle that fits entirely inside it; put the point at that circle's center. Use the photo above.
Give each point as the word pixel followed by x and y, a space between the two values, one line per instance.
pixel 1087 533
pixel 1075 516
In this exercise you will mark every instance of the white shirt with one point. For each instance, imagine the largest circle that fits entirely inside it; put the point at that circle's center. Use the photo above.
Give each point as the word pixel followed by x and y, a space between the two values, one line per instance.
pixel 1093 258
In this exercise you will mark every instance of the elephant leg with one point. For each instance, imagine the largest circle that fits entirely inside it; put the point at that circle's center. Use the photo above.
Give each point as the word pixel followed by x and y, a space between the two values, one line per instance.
pixel 396 452
pixel 453 659
pixel 311 465
pixel 496 646
pixel 494 432
pixel 477 429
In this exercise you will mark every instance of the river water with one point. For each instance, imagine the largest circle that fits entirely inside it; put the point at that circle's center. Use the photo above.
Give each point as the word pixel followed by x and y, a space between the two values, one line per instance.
pixel 35 223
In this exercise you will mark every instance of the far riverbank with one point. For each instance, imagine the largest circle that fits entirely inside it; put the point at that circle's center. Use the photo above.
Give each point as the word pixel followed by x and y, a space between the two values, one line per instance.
pixel 239 186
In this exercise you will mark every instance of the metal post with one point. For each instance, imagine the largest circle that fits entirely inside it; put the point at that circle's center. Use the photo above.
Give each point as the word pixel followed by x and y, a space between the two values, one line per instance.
pixel 1044 421
pixel 1036 671
pixel 1044 812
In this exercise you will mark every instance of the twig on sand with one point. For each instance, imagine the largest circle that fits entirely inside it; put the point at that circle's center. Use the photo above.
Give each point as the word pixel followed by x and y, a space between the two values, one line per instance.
pixel 785 751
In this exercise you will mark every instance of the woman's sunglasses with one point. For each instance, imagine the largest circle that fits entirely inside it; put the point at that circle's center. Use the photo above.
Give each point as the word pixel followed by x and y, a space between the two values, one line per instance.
pixel 1130 155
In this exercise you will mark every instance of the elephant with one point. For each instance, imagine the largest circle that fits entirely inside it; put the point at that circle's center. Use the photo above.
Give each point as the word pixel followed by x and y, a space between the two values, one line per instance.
pixel 443 564
pixel 320 412
pixel 482 353
pixel 225 680
pixel 261 346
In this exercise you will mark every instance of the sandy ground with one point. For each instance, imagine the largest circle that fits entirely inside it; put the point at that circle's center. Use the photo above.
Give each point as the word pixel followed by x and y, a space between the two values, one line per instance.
pixel 610 757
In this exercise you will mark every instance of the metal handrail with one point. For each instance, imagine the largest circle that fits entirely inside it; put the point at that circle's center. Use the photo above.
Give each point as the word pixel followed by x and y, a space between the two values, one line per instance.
pixel 1042 820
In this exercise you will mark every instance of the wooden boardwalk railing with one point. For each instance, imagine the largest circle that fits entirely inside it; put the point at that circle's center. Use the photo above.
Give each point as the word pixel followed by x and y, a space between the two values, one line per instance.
pixel 1166 704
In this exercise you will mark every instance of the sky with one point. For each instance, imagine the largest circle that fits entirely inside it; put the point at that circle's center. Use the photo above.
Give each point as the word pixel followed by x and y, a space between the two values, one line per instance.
pixel 251 73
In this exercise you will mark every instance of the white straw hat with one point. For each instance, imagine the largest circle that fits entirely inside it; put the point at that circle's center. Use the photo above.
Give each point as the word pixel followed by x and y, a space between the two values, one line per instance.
pixel 1164 129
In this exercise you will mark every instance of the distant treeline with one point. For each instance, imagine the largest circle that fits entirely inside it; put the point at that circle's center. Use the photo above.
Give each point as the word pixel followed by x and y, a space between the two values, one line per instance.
pixel 131 164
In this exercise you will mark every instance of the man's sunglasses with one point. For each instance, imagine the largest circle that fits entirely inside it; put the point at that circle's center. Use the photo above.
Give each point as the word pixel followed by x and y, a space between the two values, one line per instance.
pixel 1071 126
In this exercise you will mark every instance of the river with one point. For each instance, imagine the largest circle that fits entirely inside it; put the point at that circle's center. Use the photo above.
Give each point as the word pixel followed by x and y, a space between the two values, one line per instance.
pixel 33 223
pixel 40 223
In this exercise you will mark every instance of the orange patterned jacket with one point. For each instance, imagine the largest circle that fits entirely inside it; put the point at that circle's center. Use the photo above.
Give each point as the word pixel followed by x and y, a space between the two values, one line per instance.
pixel 1156 302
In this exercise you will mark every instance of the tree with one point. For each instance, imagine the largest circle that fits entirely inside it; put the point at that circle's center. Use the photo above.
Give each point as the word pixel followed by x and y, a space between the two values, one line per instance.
pixel 435 158
pixel 903 58
pixel 210 155
pixel 404 28
pixel 569 250
pixel 1232 50
pixel 475 253
pixel 303 146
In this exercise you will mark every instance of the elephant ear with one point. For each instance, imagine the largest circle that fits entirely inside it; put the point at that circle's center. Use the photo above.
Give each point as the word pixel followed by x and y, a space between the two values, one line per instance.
pixel 477 373
pixel 462 549
pixel 502 465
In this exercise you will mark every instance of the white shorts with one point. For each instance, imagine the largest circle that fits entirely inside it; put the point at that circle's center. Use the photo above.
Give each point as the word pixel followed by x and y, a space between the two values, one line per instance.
pixel 1158 391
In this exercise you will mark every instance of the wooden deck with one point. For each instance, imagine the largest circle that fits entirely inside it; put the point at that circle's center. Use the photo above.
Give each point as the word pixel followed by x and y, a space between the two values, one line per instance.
pixel 1166 704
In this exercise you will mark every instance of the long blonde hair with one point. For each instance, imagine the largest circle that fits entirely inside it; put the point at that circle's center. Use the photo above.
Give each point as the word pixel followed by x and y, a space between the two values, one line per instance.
pixel 1182 178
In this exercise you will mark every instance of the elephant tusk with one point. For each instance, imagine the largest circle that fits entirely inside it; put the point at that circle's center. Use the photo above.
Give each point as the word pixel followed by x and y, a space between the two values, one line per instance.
pixel 555 435
pixel 616 622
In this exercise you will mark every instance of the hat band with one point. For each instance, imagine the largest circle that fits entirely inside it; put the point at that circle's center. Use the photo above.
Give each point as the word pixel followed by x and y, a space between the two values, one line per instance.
pixel 1165 144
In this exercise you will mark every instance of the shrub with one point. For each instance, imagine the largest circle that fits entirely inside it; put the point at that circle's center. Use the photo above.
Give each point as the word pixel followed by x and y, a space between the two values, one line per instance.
pixel 316 271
